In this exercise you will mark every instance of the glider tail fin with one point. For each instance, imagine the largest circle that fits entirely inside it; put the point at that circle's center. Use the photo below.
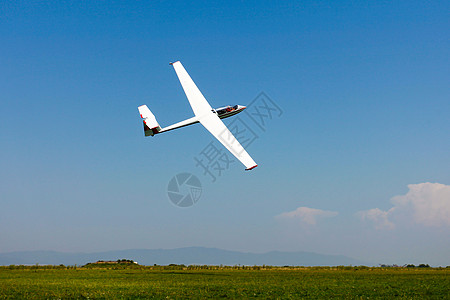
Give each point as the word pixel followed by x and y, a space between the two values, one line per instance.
pixel 151 126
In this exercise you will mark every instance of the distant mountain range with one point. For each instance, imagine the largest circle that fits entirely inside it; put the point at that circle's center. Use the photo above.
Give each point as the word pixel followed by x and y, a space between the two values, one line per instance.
pixel 186 256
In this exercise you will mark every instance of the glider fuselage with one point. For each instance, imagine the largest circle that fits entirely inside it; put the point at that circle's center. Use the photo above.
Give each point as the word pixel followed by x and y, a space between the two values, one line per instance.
pixel 228 111
pixel 222 113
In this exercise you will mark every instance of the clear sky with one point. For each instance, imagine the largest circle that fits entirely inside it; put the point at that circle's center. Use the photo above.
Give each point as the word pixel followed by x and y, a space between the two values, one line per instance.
pixel 358 163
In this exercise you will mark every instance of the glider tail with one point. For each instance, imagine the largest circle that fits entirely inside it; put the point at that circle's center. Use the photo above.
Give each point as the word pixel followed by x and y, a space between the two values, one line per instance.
pixel 151 126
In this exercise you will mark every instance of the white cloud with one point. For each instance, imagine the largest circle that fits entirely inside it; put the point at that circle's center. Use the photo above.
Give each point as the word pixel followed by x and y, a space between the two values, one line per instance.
pixel 430 203
pixel 306 215
pixel 377 216
pixel 425 204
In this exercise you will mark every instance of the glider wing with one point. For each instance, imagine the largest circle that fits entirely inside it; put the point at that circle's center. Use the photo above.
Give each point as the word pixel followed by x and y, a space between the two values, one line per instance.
pixel 198 102
pixel 218 129
pixel 209 119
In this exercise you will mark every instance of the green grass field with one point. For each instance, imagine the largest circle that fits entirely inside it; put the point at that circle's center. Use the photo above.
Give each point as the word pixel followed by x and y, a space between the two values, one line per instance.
pixel 137 282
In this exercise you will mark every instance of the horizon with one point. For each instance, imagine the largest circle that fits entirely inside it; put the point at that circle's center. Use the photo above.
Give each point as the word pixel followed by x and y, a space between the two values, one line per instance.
pixel 364 263
pixel 184 255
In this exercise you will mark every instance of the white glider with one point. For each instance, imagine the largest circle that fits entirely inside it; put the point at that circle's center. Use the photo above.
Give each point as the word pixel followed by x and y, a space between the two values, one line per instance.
pixel 204 114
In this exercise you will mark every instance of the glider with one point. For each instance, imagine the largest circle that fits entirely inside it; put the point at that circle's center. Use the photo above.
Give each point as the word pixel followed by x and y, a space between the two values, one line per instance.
pixel 204 114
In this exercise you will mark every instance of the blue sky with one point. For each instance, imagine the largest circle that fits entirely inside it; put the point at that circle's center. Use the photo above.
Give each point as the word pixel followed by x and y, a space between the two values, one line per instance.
pixel 358 163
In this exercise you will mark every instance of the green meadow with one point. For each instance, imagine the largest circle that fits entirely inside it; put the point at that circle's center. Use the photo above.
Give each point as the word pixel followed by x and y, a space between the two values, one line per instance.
pixel 176 282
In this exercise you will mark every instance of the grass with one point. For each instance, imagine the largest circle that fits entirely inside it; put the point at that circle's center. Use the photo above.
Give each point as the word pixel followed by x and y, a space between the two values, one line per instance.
pixel 137 282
